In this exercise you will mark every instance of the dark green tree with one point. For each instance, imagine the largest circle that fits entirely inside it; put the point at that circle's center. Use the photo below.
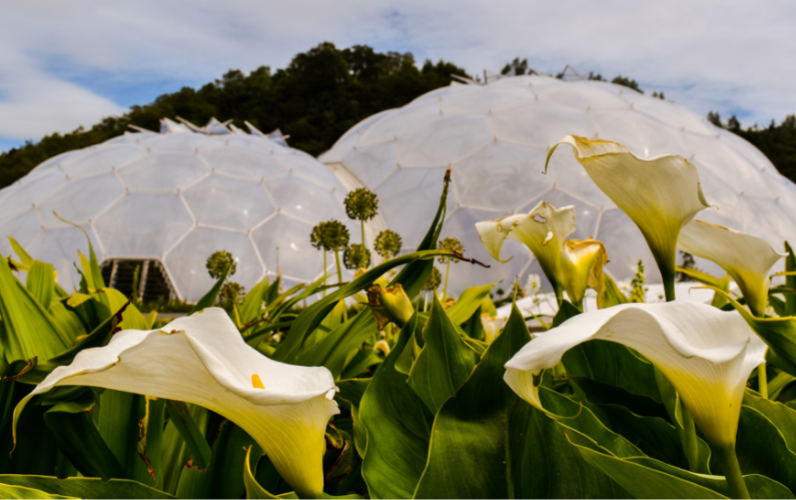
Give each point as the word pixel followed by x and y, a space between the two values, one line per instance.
pixel 627 82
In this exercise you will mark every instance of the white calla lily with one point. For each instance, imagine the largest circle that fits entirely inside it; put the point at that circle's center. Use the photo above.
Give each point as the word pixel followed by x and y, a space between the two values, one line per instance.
pixel 582 264
pixel 543 230
pixel 659 194
pixel 492 325
pixel 746 258
pixel 706 353
pixel 202 359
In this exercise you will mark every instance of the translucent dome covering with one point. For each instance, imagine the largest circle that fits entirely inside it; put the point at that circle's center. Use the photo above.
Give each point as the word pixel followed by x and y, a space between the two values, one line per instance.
pixel 495 138
pixel 177 197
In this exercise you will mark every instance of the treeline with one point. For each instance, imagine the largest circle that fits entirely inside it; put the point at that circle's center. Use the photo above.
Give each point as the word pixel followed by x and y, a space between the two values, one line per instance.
pixel 777 142
pixel 320 95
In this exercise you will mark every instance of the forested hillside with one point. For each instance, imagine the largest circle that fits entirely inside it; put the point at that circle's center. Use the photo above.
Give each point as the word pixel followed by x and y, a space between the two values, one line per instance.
pixel 320 95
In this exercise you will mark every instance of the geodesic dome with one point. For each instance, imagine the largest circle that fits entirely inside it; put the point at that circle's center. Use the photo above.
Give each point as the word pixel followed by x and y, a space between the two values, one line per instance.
pixel 172 199
pixel 495 138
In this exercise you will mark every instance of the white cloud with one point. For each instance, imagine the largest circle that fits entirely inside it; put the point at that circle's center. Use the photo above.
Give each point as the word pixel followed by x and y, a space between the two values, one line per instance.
pixel 705 55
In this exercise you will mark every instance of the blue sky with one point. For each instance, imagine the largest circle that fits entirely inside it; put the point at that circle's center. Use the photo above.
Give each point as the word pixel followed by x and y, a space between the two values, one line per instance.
pixel 70 62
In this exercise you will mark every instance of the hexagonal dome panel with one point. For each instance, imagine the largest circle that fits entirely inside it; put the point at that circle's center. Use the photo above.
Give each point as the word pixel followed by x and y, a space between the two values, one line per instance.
pixel 495 138
pixel 174 198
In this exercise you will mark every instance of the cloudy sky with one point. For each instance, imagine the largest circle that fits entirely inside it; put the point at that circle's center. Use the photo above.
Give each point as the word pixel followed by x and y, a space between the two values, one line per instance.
pixel 67 63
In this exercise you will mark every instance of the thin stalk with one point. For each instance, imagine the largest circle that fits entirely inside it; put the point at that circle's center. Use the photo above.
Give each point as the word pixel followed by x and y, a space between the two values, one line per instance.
pixel 325 268
pixel 445 288
pixel 425 303
pixel 337 262
pixel 732 471
pixel 362 225
pixel 762 381
pixel 559 291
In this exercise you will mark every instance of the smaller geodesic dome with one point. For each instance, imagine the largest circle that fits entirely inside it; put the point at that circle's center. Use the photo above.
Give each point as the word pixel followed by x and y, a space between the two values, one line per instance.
pixel 168 200
pixel 495 137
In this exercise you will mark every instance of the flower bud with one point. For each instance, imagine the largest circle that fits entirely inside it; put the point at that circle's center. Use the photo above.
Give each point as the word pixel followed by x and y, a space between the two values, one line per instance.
pixel 390 304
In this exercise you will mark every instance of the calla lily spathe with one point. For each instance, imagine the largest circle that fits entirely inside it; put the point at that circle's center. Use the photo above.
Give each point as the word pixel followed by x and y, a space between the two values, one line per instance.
pixel 582 264
pixel 746 258
pixel 706 353
pixel 492 326
pixel 543 230
pixel 202 359
pixel 659 194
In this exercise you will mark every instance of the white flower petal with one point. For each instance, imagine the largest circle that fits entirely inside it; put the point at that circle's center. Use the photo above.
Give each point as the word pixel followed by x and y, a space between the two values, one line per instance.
pixel 202 359
pixel 492 325
pixel 659 194
pixel 543 230
pixel 706 353
pixel 582 263
pixel 746 258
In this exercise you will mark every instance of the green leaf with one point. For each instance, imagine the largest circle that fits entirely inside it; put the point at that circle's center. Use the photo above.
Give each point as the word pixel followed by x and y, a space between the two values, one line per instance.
pixel 613 295
pixel 445 362
pixel 79 439
pixel 352 390
pixel 565 311
pixel 778 333
pixel 253 488
pixel 26 259
pixel 223 477
pixel 415 275
pixel 311 317
pixel 782 416
pixel 118 422
pixel 251 308
pixel 67 320
pixel 470 443
pixel 335 349
pixel 644 482
pixel 83 487
pixel 762 448
pixel 398 428
pixel 209 299
pixel 198 449
pixel 28 329
pixel 132 319
pixel 468 303
pixel 175 451
pixel 8 491
pixel 150 444
pixel 40 282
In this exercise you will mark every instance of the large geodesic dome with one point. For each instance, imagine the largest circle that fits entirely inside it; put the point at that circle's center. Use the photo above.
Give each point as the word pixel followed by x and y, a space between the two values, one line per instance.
pixel 168 200
pixel 495 138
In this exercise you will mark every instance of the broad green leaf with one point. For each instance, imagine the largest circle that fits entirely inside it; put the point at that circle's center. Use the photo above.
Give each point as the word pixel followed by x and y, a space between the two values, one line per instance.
pixel 132 319
pixel 253 488
pixel 445 362
pixel 209 299
pixel 28 329
pixel 25 259
pixel 778 333
pixel 84 487
pixel 758 486
pixel 67 320
pixel 613 295
pixel 468 303
pixel 79 439
pixel 644 482
pixel 565 311
pixel 223 478
pixel 176 453
pixel 352 390
pixel 361 361
pixel 9 491
pixel 251 308
pixel 198 449
pixel 334 350
pixel 470 443
pixel 398 428
pixel 762 448
pixel 118 420
pixel 778 383
pixel 150 443
pixel 782 416
pixel 40 282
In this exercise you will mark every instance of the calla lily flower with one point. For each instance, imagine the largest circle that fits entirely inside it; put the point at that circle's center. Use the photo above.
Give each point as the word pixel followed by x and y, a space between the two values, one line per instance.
pixel 659 194
pixel 582 264
pixel 746 258
pixel 543 230
pixel 202 359
pixel 706 353
pixel 492 325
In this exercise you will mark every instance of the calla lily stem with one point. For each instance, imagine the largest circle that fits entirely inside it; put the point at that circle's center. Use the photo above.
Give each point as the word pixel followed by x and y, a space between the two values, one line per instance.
pixel 445 288
pixel 732 471
pixel 689 441
pixel 668 283
pixel 762 381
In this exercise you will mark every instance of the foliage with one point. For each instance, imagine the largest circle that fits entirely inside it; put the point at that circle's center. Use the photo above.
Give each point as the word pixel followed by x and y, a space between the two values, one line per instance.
pixel 451 245
pixel 434 280
pixel 330 235
pixel 637 290
pixel 627 82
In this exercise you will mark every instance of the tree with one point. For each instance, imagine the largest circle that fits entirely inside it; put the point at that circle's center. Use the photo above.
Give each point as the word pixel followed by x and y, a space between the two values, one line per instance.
pixel 515 67
pixel 627 82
